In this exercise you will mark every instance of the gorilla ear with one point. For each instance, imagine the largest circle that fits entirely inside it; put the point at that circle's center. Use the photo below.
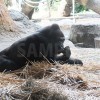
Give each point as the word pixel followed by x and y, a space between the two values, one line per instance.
pixel 55 26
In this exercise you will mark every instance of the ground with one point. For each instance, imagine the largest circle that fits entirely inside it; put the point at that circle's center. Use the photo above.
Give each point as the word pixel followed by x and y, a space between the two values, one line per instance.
pixel 71 82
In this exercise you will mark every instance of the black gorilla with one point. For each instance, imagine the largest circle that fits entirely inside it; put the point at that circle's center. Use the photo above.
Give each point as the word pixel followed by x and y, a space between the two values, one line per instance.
pixel 46 43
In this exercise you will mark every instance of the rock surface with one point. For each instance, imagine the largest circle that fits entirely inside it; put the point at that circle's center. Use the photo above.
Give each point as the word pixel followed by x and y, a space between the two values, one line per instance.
pixel 22 20
pixel 84 35
pixel 17 16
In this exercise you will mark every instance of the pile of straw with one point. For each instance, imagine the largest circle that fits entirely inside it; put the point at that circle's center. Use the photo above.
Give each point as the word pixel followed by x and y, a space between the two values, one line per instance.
pixel 44 81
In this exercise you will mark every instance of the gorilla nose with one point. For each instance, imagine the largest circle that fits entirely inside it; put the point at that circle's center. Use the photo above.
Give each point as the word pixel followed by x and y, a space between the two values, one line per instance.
pixel 60 49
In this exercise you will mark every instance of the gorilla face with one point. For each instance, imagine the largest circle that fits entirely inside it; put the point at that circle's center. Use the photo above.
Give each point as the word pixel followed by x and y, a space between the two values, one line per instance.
pixel 58 37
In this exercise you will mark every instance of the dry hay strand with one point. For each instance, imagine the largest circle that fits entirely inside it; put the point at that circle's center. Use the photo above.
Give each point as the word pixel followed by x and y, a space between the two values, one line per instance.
pixel 36 70
pixel 94 93
pixel 77 77
pixel 91 67
pixel 68 75
pixel 53 86
pixel 36 90
pixel 72 76
pixel 6 79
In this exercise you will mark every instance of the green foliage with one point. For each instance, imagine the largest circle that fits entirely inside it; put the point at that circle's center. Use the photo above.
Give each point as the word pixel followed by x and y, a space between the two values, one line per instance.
pixel 80 8
pixel 54 4
pixel 8 3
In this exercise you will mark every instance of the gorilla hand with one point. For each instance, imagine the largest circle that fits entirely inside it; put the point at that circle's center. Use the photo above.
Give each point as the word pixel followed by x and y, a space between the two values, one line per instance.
pixel 65 58
pixel 74 61
pixel 66 52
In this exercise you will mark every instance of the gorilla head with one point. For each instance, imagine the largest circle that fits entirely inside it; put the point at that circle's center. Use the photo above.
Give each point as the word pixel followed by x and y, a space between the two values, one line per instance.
pixel 52 36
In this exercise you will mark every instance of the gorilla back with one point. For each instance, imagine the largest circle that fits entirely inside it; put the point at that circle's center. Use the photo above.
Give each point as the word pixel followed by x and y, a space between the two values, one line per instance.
pixel 46 42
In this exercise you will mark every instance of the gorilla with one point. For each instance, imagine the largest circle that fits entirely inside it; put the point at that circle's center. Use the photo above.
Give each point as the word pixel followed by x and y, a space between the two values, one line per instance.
pixel 46 43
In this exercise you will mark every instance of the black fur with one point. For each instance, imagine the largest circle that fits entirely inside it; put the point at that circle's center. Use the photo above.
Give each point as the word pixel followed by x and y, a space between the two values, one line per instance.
pixel 47 42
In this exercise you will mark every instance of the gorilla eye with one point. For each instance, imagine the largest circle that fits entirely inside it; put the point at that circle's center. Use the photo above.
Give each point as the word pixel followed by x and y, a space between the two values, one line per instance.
pixel 62 39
